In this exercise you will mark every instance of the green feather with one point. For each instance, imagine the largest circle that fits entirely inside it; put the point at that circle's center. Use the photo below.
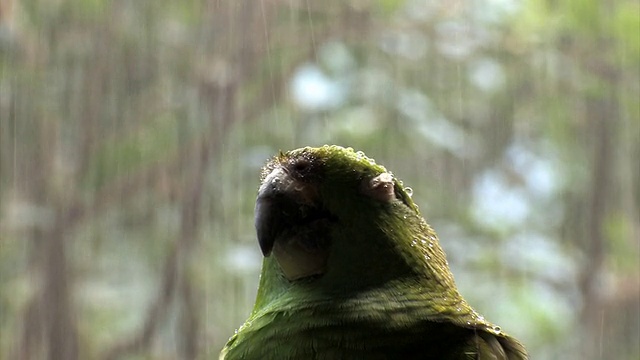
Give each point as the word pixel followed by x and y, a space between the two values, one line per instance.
pixel 386 291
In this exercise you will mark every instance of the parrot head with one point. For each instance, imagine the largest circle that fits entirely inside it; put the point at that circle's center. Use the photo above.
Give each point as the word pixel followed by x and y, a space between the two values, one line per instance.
pixel 334 216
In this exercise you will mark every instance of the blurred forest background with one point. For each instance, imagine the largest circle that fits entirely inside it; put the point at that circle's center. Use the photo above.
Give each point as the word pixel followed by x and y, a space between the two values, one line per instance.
pixel 132 134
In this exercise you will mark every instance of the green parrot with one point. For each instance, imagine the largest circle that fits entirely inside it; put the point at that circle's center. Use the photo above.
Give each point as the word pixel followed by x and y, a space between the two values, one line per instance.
pixel 351 270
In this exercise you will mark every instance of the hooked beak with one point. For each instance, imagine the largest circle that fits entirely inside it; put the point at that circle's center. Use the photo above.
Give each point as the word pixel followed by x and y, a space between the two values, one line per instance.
pixel 292 224
pixel 273 205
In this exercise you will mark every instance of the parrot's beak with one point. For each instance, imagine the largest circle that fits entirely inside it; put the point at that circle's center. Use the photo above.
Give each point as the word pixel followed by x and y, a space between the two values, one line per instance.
pixel 272 205
pixel 264 221
pixel 291 223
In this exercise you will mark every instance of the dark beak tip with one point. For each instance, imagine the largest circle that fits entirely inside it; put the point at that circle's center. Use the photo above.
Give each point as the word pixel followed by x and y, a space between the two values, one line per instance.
pixel 266 251
pixel 266 242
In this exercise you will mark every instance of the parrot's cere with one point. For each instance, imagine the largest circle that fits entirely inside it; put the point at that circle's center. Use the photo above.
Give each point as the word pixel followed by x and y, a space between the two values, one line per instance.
pixel 351 270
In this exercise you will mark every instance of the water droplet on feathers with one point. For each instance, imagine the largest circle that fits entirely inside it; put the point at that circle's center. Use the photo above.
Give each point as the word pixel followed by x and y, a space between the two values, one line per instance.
pixel 409 191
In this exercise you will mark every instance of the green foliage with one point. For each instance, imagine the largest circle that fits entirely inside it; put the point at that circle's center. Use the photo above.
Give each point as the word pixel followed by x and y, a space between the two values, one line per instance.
pixel 388 7
pixel 147 145
pixel 583 17
pixel 619 234
pixel 626 28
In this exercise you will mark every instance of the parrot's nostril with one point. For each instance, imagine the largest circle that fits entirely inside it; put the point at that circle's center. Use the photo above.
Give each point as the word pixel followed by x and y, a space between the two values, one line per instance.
pixel 301 165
